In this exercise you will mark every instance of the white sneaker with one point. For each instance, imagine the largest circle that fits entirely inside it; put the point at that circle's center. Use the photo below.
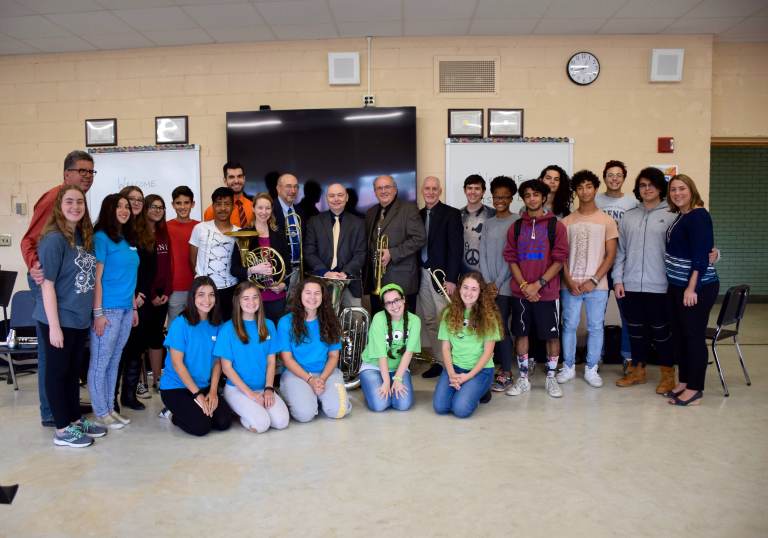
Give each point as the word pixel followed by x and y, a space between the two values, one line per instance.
pixel 108 421
pixel 566 374
pixel 164 413
pixel 592 377
pixel 553 387
pixel 120 418
pixel 521 385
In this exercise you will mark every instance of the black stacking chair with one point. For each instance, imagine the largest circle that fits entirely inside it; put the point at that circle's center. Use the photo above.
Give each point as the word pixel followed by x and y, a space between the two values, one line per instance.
pixel 731 313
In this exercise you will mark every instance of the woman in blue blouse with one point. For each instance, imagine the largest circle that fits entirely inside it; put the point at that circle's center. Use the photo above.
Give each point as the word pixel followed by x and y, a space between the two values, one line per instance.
pixel 246 346
pixel 191 374
pixel 309 341
pixel 693 287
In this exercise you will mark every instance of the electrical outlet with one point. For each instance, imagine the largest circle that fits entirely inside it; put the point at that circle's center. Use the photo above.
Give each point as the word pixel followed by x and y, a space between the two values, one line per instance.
pixel 5 240
pixel 369 100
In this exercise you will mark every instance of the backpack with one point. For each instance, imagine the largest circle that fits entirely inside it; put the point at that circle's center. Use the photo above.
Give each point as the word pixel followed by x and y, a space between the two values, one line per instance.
pixel 551 231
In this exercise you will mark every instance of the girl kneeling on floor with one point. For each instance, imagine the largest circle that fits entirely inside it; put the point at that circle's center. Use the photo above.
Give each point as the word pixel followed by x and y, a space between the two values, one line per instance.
pixel 393 338
pixel 191 374
pixel 246 346
pixel 309 341
pixel 469 329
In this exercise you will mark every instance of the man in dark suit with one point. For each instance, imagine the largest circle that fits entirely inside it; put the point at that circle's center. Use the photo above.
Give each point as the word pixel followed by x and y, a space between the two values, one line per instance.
pixel 291 223
pixel 443 250
pixel 335 244
pixel 399 220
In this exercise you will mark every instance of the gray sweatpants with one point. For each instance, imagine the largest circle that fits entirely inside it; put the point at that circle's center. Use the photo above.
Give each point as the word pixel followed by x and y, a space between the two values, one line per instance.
pixel 254 416
pixel 304 404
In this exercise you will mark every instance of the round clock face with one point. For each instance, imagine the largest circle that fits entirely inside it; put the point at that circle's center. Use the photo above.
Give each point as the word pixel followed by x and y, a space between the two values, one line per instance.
pixel 583 68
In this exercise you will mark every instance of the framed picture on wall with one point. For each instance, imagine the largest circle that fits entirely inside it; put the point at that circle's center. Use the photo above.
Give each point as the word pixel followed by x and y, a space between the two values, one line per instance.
pixel 171 130
pixel 505 122
pixel 101 132
pixel 465 122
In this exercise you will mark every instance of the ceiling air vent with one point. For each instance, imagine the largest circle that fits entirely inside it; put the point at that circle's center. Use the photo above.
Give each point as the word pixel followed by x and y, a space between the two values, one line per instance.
pixel 466 76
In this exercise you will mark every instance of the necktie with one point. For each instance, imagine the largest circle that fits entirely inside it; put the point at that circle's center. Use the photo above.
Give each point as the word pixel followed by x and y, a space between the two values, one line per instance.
pixel 424 251
pixel 293 235
pixel 336 231
pixel 241 213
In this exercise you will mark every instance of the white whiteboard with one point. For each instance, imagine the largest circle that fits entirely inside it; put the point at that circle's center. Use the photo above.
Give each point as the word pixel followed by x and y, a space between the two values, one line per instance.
pixel 519 160
pixel 155 170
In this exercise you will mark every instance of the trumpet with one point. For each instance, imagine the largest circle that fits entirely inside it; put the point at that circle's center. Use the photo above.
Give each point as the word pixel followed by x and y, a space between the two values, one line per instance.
pixel 295 230
pixel 440 287
pixel 382 243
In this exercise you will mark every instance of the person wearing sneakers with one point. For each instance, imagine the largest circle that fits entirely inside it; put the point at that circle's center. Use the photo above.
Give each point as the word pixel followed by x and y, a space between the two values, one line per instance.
pixel 615 203
pixel 640 279
pixel 65 252
pixel 537 247
pixel 114 304
pixel 592 237
pixel 495 270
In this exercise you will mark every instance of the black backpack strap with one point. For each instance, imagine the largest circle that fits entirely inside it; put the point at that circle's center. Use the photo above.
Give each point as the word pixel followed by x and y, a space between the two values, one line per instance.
pixel 518 227
pixel 552 232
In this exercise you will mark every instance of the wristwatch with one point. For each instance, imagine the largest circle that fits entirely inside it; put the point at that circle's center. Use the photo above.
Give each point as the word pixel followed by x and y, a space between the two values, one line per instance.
pixel 542 282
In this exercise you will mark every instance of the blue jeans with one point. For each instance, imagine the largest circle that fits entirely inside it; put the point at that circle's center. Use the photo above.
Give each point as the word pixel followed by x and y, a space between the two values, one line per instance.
pixel 462 403
pixel 105 359
pixel 370 381
pixel 594 302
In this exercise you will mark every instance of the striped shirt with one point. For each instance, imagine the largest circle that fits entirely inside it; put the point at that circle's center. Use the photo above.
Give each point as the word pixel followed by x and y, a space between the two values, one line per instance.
pixel 690 239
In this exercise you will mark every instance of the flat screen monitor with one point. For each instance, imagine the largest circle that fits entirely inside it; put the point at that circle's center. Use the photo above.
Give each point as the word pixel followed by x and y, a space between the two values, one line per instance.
pixel 351 146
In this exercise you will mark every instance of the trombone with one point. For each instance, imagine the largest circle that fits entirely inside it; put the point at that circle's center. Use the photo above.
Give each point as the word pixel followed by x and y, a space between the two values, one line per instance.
pixel 292 230
pixel 440 287
pixel 382 243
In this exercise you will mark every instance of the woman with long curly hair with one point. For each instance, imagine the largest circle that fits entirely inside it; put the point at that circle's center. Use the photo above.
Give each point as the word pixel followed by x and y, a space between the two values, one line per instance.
pixel 309 340
pixel 69 269
pixel 469 330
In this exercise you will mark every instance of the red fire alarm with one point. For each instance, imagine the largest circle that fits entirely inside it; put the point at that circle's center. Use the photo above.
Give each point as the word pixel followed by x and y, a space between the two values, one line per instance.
pixel 666 144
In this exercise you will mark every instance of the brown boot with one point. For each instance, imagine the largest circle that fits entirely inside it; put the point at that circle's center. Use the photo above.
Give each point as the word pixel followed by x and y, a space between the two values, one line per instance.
pixel 635 376
pixel 667 382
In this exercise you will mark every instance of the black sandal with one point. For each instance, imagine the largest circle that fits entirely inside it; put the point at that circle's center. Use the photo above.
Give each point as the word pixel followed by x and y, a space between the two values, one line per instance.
pixel 671 394
pixel 693 400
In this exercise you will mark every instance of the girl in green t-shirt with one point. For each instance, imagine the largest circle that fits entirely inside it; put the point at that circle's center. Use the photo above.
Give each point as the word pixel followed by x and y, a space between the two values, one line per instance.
pixel 470 327
pixel 393 337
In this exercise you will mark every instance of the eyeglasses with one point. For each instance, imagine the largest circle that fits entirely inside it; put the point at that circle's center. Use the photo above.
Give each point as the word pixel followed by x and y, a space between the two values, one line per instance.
pixel 502 197
pixel 385 187
pixel 83 171
pixel 157 208
pixel 135 199
pixel 614 176
pixel 394 302
pixel 646 186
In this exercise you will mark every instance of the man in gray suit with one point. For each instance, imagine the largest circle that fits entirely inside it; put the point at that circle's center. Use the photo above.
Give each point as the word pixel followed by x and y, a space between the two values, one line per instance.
pixel 335 244
pixel 400 221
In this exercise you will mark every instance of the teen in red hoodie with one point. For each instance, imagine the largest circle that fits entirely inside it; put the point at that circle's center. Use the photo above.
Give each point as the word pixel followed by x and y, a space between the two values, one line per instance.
pixel 537 246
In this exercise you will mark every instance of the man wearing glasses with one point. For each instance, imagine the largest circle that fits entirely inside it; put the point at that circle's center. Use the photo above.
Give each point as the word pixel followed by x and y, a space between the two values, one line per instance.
pixel 78 170
pixel 400 222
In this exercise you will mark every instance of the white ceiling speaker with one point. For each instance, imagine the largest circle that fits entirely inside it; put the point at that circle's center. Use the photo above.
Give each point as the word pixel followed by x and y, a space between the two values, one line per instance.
pixel 667 65
pixel 343 68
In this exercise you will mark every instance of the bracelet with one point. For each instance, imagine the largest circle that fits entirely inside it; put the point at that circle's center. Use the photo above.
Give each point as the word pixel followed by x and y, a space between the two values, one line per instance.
pixel 309 378
pixel 198 393
pixel 523 284
pixel 397 378
pixel 269 388
pixel 595 281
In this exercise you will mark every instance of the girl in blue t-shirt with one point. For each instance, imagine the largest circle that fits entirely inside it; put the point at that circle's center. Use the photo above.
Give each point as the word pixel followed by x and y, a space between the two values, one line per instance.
pixel 191 375
pixel 246 346
pixel 69 269
pixel 114 306
pixel 309 342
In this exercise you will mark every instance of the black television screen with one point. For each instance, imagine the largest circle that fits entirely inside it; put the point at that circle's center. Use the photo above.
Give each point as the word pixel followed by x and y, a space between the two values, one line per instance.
pixel 351 146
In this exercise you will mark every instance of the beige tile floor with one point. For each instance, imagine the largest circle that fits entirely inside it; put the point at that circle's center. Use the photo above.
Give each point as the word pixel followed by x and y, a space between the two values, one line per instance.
pixel 607 462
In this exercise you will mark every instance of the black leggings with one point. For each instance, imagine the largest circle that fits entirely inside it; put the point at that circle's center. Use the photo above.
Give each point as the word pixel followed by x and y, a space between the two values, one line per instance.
pixel 188 416
pixel 647 316
pixel 502 351
pixel 689 327
pixel 62 369
pixel 154 325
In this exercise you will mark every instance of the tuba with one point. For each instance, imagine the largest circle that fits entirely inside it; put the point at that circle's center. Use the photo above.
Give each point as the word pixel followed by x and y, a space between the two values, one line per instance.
pixel 354 323
pixel 251 258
